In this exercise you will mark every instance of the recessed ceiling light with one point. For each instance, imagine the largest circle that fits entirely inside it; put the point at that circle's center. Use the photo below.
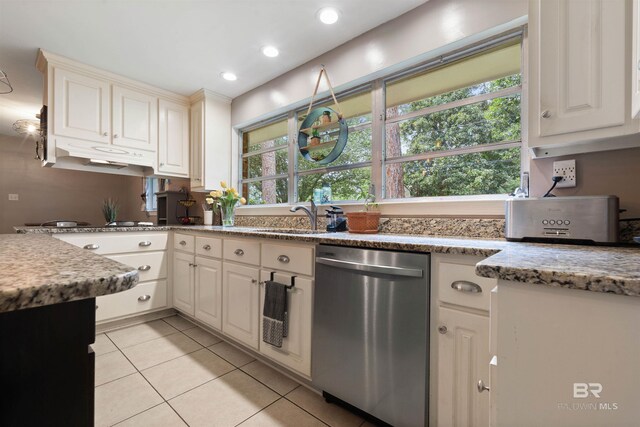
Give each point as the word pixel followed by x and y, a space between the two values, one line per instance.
pixel 229 76
pixel 270 51
pixel 328 15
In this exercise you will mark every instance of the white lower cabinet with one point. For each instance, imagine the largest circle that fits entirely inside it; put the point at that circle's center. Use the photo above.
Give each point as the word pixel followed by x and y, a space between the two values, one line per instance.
pixel 183 282
pixel 463 349
pixel 208 291
pixel 295 352
pixel 240 303
pixel 143 297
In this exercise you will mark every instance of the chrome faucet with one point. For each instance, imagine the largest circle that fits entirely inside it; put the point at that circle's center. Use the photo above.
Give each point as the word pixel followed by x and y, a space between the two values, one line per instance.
pixel 312 214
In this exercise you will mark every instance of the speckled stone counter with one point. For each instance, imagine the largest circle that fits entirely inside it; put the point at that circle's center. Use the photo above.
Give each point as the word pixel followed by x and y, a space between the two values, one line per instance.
pixel 593 268
pixel 37 270
pixel 89 229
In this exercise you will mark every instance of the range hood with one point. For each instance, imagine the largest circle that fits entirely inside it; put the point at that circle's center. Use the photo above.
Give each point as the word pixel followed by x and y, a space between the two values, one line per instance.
pixel 67 153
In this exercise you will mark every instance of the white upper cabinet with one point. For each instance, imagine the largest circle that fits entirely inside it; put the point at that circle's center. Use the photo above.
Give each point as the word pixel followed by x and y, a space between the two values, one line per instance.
pixel 173 140
pixel 82 106
pixel 210 140
pixel 135 119
pixel 579 80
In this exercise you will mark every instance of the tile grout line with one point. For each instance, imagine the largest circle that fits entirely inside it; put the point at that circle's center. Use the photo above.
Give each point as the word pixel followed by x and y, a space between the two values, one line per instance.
pixel 253 415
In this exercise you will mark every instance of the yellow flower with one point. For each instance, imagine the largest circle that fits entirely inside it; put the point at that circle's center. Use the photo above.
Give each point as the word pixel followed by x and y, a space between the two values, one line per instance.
pixel 216 194
pixel 223 184
pixel 209 200
pixel 234 191
pixel 243 201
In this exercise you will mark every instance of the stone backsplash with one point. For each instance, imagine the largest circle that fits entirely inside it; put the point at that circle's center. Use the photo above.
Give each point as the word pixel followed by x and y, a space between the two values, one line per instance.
pixel 483 228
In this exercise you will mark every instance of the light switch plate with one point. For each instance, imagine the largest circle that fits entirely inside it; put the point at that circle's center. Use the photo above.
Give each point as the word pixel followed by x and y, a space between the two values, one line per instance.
pixel 13 197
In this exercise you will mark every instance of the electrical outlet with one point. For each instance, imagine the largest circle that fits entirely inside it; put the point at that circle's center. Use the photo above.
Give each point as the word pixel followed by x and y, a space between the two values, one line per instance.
pixel 567 170
pixel 13 197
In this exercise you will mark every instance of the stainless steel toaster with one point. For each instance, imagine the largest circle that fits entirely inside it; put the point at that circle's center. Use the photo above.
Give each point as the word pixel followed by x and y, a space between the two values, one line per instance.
pixel 586 219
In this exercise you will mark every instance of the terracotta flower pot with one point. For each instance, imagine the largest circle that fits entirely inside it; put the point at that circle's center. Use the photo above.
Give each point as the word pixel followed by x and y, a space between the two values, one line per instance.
pixel 363 222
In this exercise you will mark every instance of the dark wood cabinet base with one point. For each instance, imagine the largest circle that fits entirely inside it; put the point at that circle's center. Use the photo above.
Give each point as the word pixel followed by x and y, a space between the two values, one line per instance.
pixel 47 366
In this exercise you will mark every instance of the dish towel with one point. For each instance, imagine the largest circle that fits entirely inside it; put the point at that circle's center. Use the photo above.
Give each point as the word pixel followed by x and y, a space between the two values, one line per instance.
pixel 275 322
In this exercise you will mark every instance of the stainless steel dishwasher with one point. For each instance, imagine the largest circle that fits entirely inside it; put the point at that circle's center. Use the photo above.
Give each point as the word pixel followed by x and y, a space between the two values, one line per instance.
pixel 370 331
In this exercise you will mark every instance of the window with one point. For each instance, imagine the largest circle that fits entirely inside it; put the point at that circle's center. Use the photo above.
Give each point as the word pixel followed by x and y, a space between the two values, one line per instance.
pixel 445 129
pixel 150 189
pixel 455 130
pixel 265 164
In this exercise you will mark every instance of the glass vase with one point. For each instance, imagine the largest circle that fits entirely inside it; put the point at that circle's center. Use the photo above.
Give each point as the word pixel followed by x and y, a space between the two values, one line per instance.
pixel 228 212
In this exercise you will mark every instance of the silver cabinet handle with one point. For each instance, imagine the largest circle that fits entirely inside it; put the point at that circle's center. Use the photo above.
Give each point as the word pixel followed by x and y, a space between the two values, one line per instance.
pixel 466 286
pixel 92 246
pixel 144 268
pixel 284 259
pixel 192 264
pixel 482 387
pixel 239 252
pixel 207 247
pixel 105 134
pixel 144 243
pixel 254 281
pixel 144 298
pixel 442 329
pixel 182 243
pixel 546 114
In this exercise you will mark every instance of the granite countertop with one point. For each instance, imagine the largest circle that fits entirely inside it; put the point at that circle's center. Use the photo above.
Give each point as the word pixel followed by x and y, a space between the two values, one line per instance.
pixel 593 268
pixel 37 270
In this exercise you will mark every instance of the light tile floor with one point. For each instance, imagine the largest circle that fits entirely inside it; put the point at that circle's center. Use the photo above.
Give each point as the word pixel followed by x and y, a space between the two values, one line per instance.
pixel 172 373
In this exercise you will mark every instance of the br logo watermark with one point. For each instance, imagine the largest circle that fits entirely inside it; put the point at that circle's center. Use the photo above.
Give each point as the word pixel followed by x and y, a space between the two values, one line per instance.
pixel 584 391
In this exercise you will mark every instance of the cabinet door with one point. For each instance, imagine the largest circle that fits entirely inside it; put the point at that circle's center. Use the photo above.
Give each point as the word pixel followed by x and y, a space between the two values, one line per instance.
pixel 183 292
pixel 208 288
pixel 463 360
pixel 240 303
pixel 197 145
pixel 173 139
pixel 81 107
pixel 135 119
pixel 296 347
pixel 581 63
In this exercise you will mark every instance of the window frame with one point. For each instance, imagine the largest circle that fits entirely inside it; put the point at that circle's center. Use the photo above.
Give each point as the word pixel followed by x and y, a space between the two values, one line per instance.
pixel 378 162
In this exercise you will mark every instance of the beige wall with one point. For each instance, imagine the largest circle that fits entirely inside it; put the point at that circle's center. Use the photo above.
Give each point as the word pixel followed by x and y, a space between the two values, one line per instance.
pixel 425 32
pixel 611 172
pixel 48 194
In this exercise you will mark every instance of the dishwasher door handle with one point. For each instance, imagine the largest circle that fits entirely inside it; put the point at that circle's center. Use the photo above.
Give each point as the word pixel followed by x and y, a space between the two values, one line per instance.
pixel 382 269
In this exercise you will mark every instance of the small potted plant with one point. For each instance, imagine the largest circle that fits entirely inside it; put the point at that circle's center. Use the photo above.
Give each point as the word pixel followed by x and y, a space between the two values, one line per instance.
pixel 110 210
pixel 211 208
pixel 325 118
pixel 315 137
pixel 366 221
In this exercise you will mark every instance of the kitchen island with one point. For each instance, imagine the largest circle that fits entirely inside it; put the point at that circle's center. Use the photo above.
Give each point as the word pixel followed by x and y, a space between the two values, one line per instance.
pixel 47 322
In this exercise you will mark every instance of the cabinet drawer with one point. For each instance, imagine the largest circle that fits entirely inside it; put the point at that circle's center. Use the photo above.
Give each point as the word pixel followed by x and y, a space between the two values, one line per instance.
pixel 450 272
pixel 184 242
pixel 114 243
pixel 296 259
pixel 209 246
pixel 245 251
pixel 143 297
pixel 150 265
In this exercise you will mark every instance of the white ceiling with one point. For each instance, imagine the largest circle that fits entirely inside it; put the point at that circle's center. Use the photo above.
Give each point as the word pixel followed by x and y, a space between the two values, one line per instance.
pixel 179 45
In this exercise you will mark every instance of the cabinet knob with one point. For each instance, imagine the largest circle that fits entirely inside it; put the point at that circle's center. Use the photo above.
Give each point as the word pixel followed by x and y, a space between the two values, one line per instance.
pixel 254 281
pixel 545 114
pixel 442 329
pixel 207 247
pixel 182 243
pixel 283 259
pixel 105 134
pixel 144 298
pixel 144 268
pixel 482 387
pixel 145 243
pixel 239 252
pixel 92 246
pixel 161 164
pixel 115 135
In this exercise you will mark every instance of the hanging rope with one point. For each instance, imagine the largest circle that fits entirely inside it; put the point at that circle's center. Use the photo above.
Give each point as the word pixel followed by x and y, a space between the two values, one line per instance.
pixel 323 71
